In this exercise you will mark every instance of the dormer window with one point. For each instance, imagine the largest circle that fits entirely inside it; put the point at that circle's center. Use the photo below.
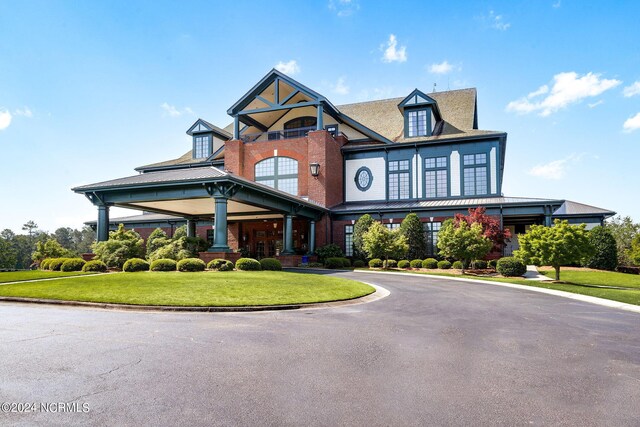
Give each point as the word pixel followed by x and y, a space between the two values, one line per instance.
pixel 201 146
pixel 421 113
pixel 417 123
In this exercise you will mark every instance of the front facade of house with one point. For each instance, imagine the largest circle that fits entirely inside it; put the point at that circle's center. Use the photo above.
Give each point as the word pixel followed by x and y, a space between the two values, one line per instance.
pixel 293 172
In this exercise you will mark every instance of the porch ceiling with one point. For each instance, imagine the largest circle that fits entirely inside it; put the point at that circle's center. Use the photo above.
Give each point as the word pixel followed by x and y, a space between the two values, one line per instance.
pixel 200 207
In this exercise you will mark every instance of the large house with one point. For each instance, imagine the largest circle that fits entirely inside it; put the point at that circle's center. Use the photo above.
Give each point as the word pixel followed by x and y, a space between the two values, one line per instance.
pixel 293 172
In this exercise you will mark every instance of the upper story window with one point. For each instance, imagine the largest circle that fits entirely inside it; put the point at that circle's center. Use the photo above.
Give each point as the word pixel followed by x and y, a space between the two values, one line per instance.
pixel 399 179
pixel 201 146
pixel 475 174
pixel 436 177
pixel 417 123
pixel 280 173
pixel 299 127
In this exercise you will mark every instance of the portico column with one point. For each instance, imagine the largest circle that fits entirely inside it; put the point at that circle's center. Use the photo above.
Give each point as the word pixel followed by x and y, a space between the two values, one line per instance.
pixel 103 223
pixel 288 235
pixel 220 221
pixel 312 237
pixel 236 127
pixel 319 121
pixel 191 228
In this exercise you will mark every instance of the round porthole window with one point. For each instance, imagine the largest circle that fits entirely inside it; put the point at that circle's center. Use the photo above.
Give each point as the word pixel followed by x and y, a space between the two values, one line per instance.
pixel 364 178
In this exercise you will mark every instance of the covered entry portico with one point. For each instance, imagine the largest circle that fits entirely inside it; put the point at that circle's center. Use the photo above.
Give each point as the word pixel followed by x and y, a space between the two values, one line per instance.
pixel 204 193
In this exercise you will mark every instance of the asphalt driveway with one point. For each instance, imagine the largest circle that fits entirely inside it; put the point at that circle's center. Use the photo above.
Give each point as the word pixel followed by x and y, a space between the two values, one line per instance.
pixel 434 352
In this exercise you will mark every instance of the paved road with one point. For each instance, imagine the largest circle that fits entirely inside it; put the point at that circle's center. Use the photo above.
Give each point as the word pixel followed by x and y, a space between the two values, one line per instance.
pixel 435 352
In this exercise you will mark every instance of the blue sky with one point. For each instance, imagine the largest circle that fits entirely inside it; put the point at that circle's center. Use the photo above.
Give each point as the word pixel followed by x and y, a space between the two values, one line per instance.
pixel 90 90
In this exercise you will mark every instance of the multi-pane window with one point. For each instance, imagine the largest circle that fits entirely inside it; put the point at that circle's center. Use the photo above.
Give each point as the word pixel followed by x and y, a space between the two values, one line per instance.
pixel 417 123
pixel 278 172
pixel 392 226
pixel 436 177
pixel 475 174
pixel 399 179
pixel 201 146
pixel 431 230
pixel 348 240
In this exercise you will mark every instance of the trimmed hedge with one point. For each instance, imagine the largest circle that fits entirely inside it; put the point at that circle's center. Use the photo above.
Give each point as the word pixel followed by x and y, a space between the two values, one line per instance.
pixel 359 263
pixel 334 262
pixel 391 263
pixel 95 266
pixel 457 265
pixel 375 263
pixel 444 265
pixel 44 264
pixel 480 264
pixel 430 263
pixel 56 263
pixel 191 264
pixel 135 264
pixel 346 262
pixel 220 264
pixel 163 264
pixel 493 263
pixel 73 264
pixel 248 264
pixel 511 267
pixel 404 264
pixel 271 264
pixel 416 263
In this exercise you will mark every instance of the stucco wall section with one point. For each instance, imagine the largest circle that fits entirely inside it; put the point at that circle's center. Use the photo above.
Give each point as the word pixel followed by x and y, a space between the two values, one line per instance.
pixel 378 188
pixel 494 170
pixel 455 173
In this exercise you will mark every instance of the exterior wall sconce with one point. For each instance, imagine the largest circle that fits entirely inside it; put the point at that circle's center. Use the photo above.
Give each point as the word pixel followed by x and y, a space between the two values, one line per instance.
pixel 315 169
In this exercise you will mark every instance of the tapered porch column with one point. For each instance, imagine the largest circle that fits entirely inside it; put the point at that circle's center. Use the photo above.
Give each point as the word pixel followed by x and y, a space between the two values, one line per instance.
pixel 191 228
pixel 312 237
pixel 288 235
pixel 319 120
pixel 220 220
pixel 103 223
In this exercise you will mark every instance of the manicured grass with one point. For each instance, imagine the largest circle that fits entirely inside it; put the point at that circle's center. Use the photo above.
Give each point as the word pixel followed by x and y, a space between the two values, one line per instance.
pixel 18 276
pixel 234 288
pixel 599 278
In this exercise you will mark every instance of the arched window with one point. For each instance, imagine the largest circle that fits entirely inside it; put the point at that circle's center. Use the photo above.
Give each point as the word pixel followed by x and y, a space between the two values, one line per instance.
pixel 299 126
pixel 280 173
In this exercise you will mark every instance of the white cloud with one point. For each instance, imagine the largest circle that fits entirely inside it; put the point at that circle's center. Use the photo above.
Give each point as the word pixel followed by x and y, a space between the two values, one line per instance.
pixel 556 169
pixel 170 110
pixel 289 68
pixel 442 68
pixel 557 4
pixel 341 87
pixel 595 104
pixel 631 124
pixel 392 53
pixel 568 88
pixel 25 112
pixel 632 90
pixel 5 119
pixel 497 22
pixel 344 8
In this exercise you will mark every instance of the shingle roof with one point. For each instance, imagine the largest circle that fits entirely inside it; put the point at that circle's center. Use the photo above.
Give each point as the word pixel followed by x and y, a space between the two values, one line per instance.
pixel 574 208
pixel 176 175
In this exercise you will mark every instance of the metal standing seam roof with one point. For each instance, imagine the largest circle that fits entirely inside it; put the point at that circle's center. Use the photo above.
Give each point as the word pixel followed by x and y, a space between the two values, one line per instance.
pixel 347 207
pixel 177 175
pixel 573 208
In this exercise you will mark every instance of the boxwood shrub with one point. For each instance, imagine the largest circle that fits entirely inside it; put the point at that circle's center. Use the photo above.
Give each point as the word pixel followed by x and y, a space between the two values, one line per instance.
pixel 346 262
pixel 135 264
pixel 95 266
pixel 480 264
pixel 444 265
pixel 492 263
pixel 270 264
pixel 73 264
pixel 191 264
pixel 416 263
pixel 220 264
pixel 359 263
pixel 375 263
pixel 390 263
pixel 430 263
pixel 227 266
pixel 404 264
pixel 511 267
pixel 163 264
pixel 44 265
pixel 458 265
pixel 248 264
pixel 334 262
pixel 56 263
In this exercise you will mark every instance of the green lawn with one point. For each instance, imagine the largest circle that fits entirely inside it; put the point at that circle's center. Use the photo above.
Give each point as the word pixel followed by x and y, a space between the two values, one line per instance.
pixel 18 276
pixel 234 288
pixel 599 278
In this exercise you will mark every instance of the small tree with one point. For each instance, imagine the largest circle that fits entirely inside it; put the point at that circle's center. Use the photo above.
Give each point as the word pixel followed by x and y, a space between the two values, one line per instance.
pixel 624 231
pixel 490 226
pixel 634 252
pixel 380 242
pixel 360 227
pixel 50 249
pixel 8 255
pixel 463 242
pixel 411 228
pixel 122 245
pixel 156 240
pixel 562 244
pixel 605 250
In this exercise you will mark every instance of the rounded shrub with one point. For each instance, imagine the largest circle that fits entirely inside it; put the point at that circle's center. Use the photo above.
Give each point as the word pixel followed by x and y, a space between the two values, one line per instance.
pixel 605 250
pixel 444 265
pixel 73 264
pixel 358 263
pixel 215 264
pixel 346 262
pixel 56 263
pixel 95 266
pixel 163 264
pixel 390 263
pixel 480 264
pixel 493 263
pixel 270 264
pixel 191 264
pixel 416 263
pixel 457 265
pixel 248 264
pixel 511 267
pixel 430 263
pixel 375 263
pixel 44 265
pixel 404 264
pixel 227 266
pixel 135 264
pixel 333 262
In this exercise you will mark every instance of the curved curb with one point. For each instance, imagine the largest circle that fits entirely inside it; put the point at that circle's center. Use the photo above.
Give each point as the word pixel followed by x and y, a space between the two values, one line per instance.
pixel 375 296
pixel 579 297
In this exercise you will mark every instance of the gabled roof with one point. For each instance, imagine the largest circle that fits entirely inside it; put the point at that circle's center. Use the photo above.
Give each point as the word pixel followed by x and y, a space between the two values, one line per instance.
pixel 417 99
pixel 204 126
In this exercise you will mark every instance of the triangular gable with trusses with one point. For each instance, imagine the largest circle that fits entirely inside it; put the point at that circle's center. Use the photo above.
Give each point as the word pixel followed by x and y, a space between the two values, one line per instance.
pixel 204 126
pixel 418 98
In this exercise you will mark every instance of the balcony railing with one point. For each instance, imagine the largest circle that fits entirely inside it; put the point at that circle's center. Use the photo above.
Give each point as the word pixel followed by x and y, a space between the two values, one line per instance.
pixel 275 135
